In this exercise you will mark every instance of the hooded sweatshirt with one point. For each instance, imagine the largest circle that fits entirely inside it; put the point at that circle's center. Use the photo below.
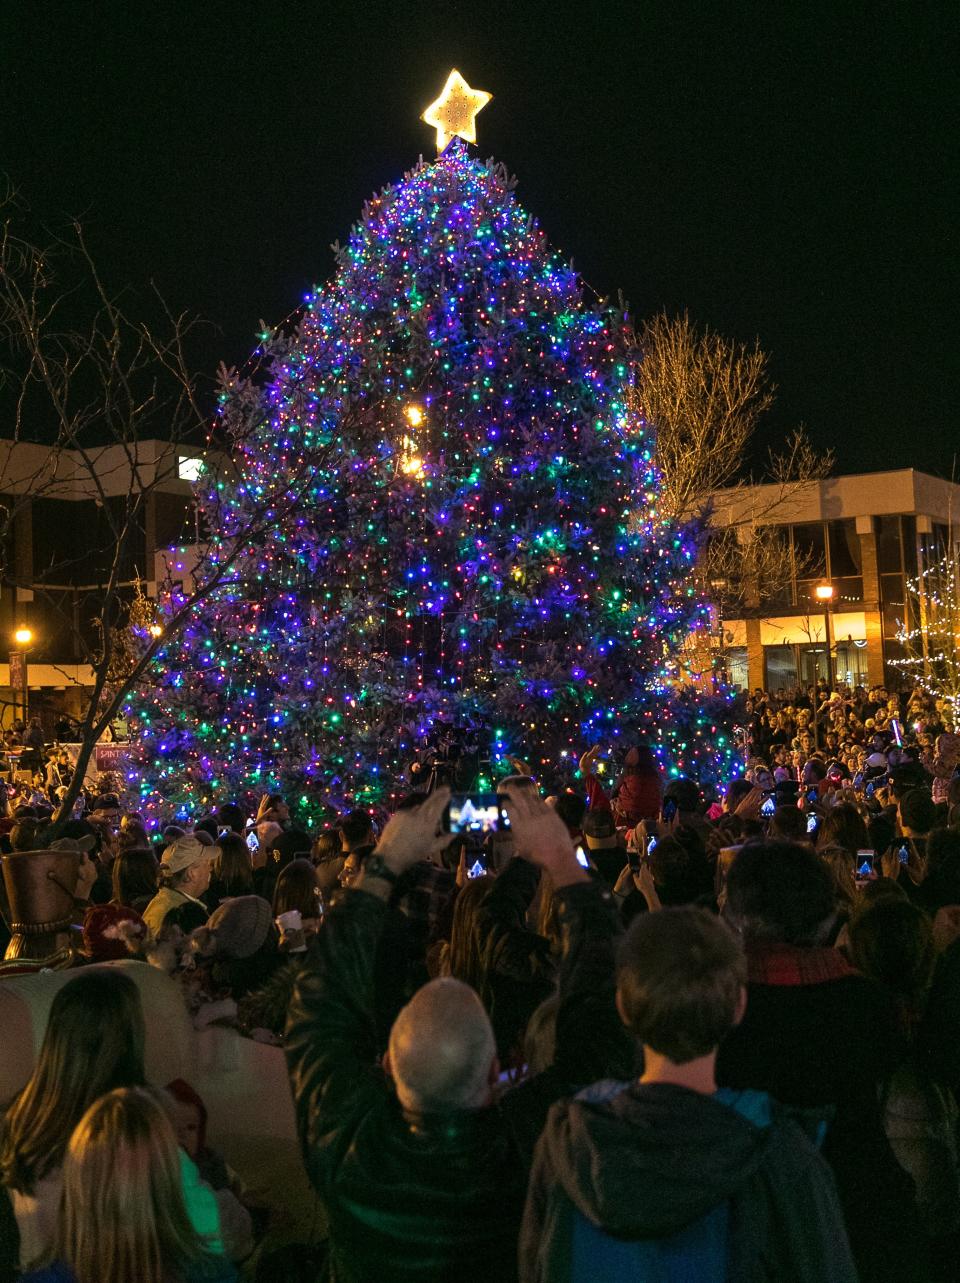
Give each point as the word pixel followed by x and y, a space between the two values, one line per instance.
pixel 662 1184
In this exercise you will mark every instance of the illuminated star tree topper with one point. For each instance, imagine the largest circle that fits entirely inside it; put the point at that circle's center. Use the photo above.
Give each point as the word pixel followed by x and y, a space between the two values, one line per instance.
pixel 454 113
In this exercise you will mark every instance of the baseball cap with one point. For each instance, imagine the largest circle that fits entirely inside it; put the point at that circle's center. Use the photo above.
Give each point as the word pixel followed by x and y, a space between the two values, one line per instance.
pixel 185 852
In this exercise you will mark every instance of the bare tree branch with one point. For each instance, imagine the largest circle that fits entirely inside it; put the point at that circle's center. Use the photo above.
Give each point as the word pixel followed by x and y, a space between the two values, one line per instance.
pixel 100 407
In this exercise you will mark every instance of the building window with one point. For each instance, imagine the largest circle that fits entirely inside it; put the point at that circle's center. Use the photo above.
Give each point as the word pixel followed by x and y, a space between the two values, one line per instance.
pixel 189 468
pixel 780 668
pixel 776 574
pixel 889 546
pixel 850 664
pixel 813 664
pixel 736 662
pixel 810 559
pixel 845 560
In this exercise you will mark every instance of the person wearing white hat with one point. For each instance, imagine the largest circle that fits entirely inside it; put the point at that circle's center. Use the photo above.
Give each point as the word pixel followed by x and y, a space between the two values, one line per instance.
pixel 185 868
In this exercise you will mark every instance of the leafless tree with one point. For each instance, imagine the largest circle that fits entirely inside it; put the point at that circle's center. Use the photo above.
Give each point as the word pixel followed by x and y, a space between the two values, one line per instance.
pixel 929 633
pixel 99 404
pixel 704 396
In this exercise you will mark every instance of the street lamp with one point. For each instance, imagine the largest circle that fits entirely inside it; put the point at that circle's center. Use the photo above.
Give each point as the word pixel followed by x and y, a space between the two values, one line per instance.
pixel 824 594
pixel 18 666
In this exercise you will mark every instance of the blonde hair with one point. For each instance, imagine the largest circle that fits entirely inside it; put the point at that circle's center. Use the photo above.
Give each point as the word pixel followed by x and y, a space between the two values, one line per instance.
pixel 123 1215
pixel 548 920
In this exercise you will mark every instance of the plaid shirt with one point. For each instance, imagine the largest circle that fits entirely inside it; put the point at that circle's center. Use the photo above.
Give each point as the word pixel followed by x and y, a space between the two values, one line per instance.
pixel 421 895
pixel 787 964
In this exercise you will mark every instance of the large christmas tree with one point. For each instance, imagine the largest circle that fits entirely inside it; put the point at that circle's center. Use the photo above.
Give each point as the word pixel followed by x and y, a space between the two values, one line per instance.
pixel 477 558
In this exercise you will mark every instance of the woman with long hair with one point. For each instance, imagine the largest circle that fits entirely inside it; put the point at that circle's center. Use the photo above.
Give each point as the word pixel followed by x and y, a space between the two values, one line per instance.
pixel 843 826
pixel 93 1043
pixel 135 878
pixel 132 835
pixel 461 956
pixel 232 872
pixel 124 1218
pixel 640 790
pixel 328 858
pixel 491 949
pixel 891 942
pixel 297 888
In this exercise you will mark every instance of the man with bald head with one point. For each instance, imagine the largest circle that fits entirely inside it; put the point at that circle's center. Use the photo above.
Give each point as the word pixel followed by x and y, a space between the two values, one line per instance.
pixel 442 1055
pixel 423 1171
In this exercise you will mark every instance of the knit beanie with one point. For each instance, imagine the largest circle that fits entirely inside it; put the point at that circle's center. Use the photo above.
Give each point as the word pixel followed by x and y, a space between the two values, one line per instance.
pixel 240 926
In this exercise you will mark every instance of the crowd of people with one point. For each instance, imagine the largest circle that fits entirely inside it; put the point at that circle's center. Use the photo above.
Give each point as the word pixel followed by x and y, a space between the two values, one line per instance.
pixel 847 725
pixel 626 1030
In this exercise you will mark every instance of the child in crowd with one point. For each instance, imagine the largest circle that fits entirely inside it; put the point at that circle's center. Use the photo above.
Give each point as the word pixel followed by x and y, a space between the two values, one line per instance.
pixel 124 1217
pixel 669 1177
pixel 190 1122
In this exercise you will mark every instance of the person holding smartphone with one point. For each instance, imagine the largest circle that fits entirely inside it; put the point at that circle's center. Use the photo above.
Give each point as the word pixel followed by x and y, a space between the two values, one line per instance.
pixel 422 1171
pixel 636 795
pixel 682 807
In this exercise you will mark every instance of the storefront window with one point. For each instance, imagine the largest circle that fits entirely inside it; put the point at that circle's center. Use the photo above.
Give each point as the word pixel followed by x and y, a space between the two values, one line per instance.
pixel 780 667
pixel 850 664
pixel 813 664
pixel 736 661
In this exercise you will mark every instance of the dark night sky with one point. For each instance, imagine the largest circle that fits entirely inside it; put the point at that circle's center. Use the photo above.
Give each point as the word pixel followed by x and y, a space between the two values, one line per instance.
pixel 782 170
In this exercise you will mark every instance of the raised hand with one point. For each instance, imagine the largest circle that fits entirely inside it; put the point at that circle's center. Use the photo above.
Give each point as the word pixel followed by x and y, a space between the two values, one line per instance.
pixel 415 834
pixel 541 836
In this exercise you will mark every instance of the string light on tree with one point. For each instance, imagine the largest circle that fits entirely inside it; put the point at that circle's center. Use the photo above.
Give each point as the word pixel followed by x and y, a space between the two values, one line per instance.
pixel 929 633
pixel 479 553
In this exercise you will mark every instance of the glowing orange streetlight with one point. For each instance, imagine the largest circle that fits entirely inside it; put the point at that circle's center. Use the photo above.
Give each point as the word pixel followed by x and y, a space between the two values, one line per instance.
pixel 18 660
pixel 824 593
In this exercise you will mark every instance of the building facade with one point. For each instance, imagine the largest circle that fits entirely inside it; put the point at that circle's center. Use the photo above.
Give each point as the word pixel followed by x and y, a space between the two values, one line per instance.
pixel 850 546
pixel 61 548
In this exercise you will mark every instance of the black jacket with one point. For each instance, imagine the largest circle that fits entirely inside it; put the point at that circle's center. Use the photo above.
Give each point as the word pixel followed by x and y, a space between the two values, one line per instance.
pixel 517 970
pixel 644 1163
pixel 833 1044
pixel 437 1198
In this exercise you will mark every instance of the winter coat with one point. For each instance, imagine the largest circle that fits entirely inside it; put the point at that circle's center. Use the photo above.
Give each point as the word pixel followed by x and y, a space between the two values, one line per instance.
pixel 638 797
pixel 431 1198
pixel 516 968
pixel 657 1182
pixel 170 907
pixel 817 1034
